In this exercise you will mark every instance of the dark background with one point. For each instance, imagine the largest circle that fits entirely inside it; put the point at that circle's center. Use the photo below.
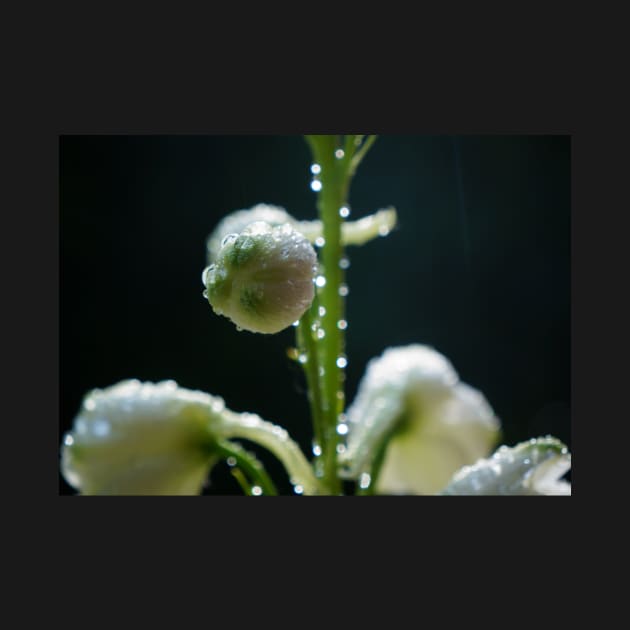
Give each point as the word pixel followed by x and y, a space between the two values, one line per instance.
pixel 479 268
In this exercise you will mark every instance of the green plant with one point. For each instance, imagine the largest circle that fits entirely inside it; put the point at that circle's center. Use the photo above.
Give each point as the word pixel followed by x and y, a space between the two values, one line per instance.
pixel 413 427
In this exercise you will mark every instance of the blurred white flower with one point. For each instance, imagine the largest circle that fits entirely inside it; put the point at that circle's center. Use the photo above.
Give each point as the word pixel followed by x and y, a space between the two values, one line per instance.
pixel 141 438
pixel 411 403
pixel 534 467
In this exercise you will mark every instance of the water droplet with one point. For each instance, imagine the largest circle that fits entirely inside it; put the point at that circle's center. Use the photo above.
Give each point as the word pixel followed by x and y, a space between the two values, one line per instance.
pixel 298 489
pixel 320 281
pixel 205 293
pixel 89 404
pixel 239 329
pixel 315 326
pixel 342 324
pixel 321 311
pixel 341 395
pixel 320 241
pixel 316 185
pixel 343 290
pixel 321 372
pixel 231 461
pixel 344 211
pixel 204 275
pixel 228 238
pixel 68 440
pixel 321 333
pixel 383 230
pixel 364 481
pixel 342 428
pixel 317 450
pixel 302 358
pixel 339 153
pixel 340 448
pixel 342 362
pixel 344 263
pixel 100 427
pixel 316 169
pixel 256 491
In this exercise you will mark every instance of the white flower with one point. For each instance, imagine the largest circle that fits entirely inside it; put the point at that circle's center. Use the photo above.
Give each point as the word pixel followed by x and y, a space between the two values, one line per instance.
pixel 141 438
pixel 534 467
pixel 411 404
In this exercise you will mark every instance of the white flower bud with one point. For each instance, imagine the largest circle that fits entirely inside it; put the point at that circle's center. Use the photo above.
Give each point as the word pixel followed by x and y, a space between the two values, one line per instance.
pixel 529 468
pixel 411 403
pixel 142 439
pixel 262 278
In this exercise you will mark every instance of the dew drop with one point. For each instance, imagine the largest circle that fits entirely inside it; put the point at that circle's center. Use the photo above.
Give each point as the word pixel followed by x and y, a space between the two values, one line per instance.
pixel 342 324
pixel 296 323
pixel 231 461
pixel 89 404
pixel 316 169
pixel 205 293
pixel 343 290
pixel 321 311
pixel 68 440
pixel 321 333
pixel 302 358
pixel 320 241
pixel 364 481
pixel 339 153
pixel 228 238
pixel 383 230
pixel 344 263
pixel 342 362
pixel 204 275
pixel 320 281
pixel 342 428
pixel 344 211
pixel 340 395
pixel 316 185
pixel 256 491
pixel 239 329
pixel 321 372
pixel 298 489
pixel 317 450
pixel 340 448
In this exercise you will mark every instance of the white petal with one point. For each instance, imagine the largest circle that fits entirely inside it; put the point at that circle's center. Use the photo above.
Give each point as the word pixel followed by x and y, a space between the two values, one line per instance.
pixel 529 468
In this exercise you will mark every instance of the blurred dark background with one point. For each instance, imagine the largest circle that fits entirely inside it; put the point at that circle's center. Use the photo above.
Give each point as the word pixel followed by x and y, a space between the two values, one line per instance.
pixel 478 268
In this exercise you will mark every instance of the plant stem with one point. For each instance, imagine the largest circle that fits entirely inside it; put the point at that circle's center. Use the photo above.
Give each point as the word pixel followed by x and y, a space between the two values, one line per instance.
pixel 248 464
pixel 307 345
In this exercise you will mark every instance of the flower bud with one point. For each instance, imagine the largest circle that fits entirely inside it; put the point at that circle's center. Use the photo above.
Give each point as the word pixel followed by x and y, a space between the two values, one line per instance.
pixel 141 439
pixel 262 278
pixel 412 409
pixel 529 468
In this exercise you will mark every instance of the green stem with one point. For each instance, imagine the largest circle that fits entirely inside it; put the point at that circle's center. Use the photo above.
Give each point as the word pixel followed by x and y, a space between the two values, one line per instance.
pixel 248 464
pixel 308 347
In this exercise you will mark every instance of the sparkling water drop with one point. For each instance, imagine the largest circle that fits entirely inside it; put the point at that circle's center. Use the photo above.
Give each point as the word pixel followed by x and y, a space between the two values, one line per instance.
pixel 340 448
pixel 316 185
pixel 321 372
pixel 342 362
pixel 342 324
pixel 228 238
pixel 205 293
pixel 320 241
pixel 296 323
pixel 231 461
pixel 321 333
pixel 239 329
pixel 339 153
pixel 321 311
pixel 343 290
pixel 298 489
pixel 316 169
pixel 68 440
pixel 344 263
pixel 320 281
pixel 344 212
pixel 383 230
pixel 89 404
pixel 317 450
pixel 256 491
pixel 204 275
pixel 364 481
pixel 342 428
pixel 302 358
